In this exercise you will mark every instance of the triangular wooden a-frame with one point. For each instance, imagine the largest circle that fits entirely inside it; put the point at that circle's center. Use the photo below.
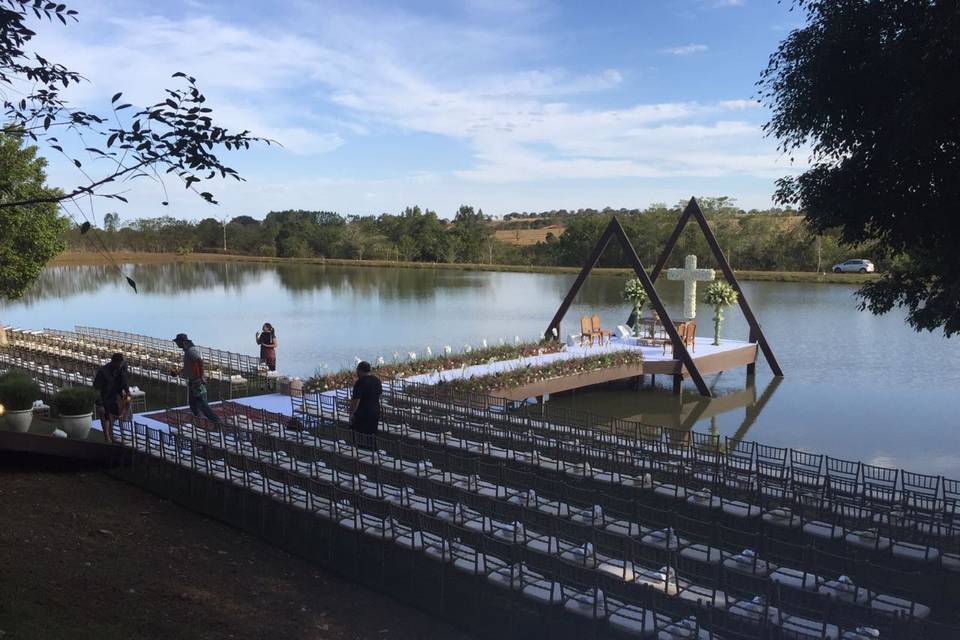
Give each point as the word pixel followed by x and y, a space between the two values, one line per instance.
pixel 692 210
pixel 615 230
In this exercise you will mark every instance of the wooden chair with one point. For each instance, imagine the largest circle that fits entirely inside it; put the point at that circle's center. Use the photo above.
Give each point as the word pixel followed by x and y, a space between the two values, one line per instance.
pixel 598 331
pixel 688 334
pixel 586 330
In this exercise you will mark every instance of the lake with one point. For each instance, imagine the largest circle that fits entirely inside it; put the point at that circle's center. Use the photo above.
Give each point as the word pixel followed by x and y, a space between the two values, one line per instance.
pixel 856 385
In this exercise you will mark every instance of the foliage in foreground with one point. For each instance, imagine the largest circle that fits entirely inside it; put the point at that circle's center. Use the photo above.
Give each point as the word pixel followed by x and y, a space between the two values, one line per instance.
pixel 30 235
pixel 175 139
pixel 870 88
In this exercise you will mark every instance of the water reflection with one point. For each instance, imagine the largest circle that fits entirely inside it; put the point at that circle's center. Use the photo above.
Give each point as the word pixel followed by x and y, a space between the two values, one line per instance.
pixel 152 279
pixel 386 283
pixel 660 407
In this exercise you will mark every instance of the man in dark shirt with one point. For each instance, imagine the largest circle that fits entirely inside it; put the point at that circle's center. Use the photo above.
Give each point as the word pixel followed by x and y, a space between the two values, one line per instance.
pixel 114 388
pixel 365 406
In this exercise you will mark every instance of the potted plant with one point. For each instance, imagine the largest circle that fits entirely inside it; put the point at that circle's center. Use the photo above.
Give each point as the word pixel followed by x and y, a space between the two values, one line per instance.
pixel 635 294
pixel 74 406
pixel 719 294
pixel 18 392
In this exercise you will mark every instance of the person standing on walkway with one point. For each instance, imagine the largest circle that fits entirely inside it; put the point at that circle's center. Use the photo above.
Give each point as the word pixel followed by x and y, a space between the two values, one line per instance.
pixel 267 339
pixel 196 384
pixel 365 406
pixel 112 384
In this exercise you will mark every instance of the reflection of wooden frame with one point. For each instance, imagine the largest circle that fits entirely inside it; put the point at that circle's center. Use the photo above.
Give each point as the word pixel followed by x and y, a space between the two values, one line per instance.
pixel 615 230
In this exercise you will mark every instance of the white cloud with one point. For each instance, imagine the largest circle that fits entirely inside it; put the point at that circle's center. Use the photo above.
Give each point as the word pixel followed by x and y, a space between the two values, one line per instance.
pixel 686 49
pixel 723 4
pixel 322 80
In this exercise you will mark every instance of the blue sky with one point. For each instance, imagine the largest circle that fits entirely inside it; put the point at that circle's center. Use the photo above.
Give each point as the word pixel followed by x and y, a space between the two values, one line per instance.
pixel 508 105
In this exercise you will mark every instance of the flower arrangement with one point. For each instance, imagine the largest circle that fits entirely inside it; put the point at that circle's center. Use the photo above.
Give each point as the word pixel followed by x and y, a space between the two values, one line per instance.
pixel 531 374
pixel 635 294
pixel 719 294
pixel 324 380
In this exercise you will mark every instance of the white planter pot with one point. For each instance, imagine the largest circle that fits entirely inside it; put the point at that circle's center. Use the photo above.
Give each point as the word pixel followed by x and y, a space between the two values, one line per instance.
pixel 77 427
pixel 19 420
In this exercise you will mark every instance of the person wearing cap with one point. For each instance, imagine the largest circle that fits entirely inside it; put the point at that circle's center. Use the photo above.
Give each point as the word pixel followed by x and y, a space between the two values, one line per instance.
pixel 365 406
pixel 113 386
pixel 196 384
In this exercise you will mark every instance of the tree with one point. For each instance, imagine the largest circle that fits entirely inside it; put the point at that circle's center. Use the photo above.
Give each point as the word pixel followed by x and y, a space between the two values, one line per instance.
pixel 472 232
pixel 111 222
pixel 30 234
pixel 869 87
pixel 176 135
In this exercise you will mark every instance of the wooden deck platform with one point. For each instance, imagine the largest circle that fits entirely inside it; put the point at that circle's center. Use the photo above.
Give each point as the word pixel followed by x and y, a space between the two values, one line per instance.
pixel 730 354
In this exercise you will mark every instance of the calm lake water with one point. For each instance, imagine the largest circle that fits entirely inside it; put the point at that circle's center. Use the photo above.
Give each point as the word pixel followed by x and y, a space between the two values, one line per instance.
pixel 856 385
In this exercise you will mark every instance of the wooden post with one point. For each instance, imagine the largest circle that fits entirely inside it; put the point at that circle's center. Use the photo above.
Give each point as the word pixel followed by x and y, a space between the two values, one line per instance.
pixel 581 278
pixel 678 345
pixel 677 384
pixel 732 279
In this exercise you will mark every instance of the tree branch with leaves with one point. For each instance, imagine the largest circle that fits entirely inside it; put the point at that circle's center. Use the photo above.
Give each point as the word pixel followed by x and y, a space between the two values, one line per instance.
pixel 176 137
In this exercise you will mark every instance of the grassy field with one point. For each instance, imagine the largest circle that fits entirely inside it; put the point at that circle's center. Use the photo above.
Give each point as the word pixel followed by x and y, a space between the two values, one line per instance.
pixel 83 258
pixel 527 237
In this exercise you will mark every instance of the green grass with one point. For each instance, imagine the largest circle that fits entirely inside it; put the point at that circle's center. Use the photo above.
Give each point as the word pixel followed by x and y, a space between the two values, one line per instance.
pixel 769 276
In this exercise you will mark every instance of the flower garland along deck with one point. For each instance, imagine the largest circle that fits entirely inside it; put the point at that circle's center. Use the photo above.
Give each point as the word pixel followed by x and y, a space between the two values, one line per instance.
pixel 530 374
pixel 415 366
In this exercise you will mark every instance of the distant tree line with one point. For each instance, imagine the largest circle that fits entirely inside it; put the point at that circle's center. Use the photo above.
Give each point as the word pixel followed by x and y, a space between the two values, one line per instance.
pixel 774 239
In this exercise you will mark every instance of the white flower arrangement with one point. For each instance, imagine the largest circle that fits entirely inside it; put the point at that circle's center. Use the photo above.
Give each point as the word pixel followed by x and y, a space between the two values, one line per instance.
pixel 380 361
pixel 484 343
pixel 635 294
pixel 412 355
pixel 719 294
pixel 447 350
pixel 429 352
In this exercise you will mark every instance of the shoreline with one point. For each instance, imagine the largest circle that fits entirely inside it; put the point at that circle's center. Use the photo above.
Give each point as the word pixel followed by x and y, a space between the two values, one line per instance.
pixel 82 258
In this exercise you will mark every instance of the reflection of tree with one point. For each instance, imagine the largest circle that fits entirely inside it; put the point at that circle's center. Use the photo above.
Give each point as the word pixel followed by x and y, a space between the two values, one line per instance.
pixel 62 282
pixel 163 279
pixel 386 283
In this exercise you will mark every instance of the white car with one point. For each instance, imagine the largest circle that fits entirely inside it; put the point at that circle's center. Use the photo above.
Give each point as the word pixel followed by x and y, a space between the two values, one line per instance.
pixel 854 266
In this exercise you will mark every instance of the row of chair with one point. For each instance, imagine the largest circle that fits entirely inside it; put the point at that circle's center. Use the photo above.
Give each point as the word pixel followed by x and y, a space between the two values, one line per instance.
pixel 259 476
pixel 733 484
pixel 650 530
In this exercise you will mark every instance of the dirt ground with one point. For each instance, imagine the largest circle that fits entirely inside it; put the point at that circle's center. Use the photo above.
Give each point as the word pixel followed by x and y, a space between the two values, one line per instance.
pixel 84 556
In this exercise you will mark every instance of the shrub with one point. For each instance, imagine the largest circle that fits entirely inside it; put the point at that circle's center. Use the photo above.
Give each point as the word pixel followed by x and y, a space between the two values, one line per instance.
pixel 18 391
pixel 14 374
pixel 74 401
